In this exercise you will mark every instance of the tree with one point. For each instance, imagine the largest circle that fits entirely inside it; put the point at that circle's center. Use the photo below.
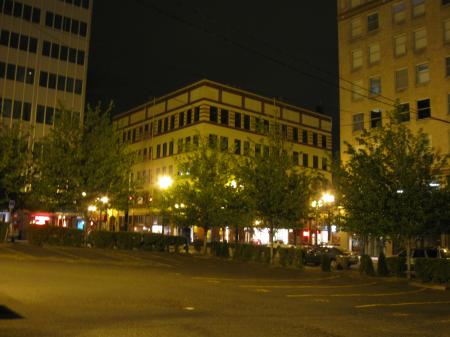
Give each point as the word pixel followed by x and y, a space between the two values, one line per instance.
pixel 280 191
pixel 15 164
pixel 388 184
pixel 78 163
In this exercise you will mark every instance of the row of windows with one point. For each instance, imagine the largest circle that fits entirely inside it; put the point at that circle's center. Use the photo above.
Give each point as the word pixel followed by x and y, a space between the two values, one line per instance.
pixel 46 114
pixel 16 73
pixel 401 80
pixel 147 176
pixel 16 109
pixel 61 83
pixel 18 41
pixel 77 3
pixel 423 108
pixel 64 53
pixel 66 24
pixel 20 10
pixel 398 16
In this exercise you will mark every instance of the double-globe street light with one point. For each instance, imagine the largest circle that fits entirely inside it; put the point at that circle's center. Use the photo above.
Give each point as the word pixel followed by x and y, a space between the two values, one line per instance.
pixel 326 200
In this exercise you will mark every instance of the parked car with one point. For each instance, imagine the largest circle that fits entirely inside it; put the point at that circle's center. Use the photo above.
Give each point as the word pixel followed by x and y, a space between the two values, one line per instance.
pixel 429 252
pixel 313 255
pixel 281 244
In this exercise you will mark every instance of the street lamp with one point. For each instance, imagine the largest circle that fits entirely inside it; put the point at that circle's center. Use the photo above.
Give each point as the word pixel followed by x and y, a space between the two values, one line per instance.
pixel 328 199
pixel 164 182
pixel 316 204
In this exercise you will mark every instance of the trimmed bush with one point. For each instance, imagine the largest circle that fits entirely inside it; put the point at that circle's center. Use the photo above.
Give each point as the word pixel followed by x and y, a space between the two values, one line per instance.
pixel 127 240
pixel 37 235
pixel 283 256
pixel 382 268
pixel 72 237
pixel 396 265
pixel 198 245
pixel 3 229
pixel 220 249
pixel 102 239
pixel 366 265
pixel 325 262
pixel 432 270
pixel 55 236
pixel 298 261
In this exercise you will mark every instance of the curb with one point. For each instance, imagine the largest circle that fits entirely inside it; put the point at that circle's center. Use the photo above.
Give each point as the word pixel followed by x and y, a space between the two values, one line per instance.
pixel 430 286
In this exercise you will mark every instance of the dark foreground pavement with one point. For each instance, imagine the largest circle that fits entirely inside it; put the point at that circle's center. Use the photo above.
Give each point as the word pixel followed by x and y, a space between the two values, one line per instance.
pixel 94 293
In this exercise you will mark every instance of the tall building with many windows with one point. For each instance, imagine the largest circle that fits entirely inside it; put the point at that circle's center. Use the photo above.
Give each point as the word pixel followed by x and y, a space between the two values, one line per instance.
pixel 44 47
pixel 232 118
pixel 395 50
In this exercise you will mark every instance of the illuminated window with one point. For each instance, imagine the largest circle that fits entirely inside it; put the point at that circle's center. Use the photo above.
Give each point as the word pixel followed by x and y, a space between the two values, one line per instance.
pixel 358 122
pixel 422 73
pixel 374 53
pixel 418 8
pixel 398 12
pixel 375 85
pixel 357 59
pixel 420 39
pixel 356 28
pixel 401 79
pixel 400 45
pixel 357 90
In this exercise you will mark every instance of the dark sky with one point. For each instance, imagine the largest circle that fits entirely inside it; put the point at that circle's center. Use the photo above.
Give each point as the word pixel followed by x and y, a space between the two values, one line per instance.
pixel 146 48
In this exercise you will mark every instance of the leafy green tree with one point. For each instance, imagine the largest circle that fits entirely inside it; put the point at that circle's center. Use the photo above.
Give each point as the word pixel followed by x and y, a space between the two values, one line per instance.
pixel 279 190
pixel 387 185
pixel 15 164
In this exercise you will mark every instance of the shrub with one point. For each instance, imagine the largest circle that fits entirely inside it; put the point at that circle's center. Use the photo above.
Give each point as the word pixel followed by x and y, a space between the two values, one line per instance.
pixel 3 229
pixel 298 261
pixel 366 265
pixel 396 265
pixel 382 268
pixel 283 256
pixel 198 245
pixel 37 235
pixel 55 236
pixel 72 237
pixel 325 262
pixel 149 241
pixel 128 240
pixel 102 239
pixel 435 270
pixel 219 249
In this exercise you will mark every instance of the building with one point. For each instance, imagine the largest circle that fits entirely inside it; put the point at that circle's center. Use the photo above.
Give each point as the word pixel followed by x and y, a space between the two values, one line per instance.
pixel 395 51
pixel 44 48
pixel 160 129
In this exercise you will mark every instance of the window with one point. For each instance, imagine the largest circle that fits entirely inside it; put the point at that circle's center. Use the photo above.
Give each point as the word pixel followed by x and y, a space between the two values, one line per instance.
pixel 357 90
pixel 61 83
pixel 164 150
pixel 375 119
pixel 445 2
pixel 80 57
pixel 295 159
pixel 246 148
pixel 420 39
pixel 422 73
pixel 36 15
pixel 398 12
pixel 180 145
pixel 223 143
pixel 23 42
pixel 447 66
pixel 166 124
pixel 49 113
pixel 374 53
pixel 70 84
pixel 46 48
pixel 358 122
pixel 324 164
pixel 78 86
pixel 423 108
pixel 400 45
pixel 315 138
pixel 418 8
pixel 26 112
pixel 375 85
pixel 257 150
pixel 159 126
pixel 295 134
pixel 195 142
pixel 401 79
pixel 196 114
pixel 237 146
pixel 40 114
pixel 447 31
pixel 284 131
pixel 324 141
pixel 305 137
pixel 189 116
pixel 372 22
pixel 2 70
pixel 213 114
pixel 305 160
pixel 171 148
pixel 11 72
pixel 17 109
pixel 212 140
pixel 4 37
pixel 181 119
pixel 357 59
pixel 52 81
pixel 224 116
pixel 237 120
pixel 403 112
pixel 356 28
pixel 158 151
pixel 246 122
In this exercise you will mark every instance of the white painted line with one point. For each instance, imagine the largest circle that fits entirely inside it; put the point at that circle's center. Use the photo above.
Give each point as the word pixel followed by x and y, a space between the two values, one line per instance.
pixel 201 278
pixel 398 304
pixel 262 290
pixel 298 286
pixel 358 294
pixel 189 308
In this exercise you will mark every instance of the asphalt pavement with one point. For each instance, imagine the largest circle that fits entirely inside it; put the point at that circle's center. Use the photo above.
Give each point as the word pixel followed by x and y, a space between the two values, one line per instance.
pixel 60 291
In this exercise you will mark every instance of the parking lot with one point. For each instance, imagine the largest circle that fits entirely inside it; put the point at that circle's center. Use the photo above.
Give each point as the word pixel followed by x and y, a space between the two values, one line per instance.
pixel 89 292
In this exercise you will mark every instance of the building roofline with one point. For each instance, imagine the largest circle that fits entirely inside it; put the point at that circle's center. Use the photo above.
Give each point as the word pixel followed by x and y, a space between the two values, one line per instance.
pixel 347 13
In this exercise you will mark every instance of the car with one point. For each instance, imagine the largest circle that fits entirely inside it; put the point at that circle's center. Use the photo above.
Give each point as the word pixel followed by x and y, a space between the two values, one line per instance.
pixel 428 252
pixel 313 256
pixel 281 244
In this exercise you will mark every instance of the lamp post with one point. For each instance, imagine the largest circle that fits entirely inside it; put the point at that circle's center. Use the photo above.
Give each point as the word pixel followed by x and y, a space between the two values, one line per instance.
pixel 164 182
pixel 316 204
pixel 328 200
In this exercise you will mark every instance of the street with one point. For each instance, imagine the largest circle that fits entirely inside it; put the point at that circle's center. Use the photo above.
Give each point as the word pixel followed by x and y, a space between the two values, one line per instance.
pixel 61 291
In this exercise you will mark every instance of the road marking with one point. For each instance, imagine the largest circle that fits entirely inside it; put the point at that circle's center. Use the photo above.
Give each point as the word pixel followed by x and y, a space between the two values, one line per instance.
pixel 398 304
pixel 358 294
pixel 189 308
pixel 202 278
pixel 262 290
pixel 298 286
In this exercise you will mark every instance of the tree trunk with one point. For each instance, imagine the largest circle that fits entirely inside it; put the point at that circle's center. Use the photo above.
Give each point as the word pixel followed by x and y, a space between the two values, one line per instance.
pixel 408 258
pixel 205 238
pixel 271 242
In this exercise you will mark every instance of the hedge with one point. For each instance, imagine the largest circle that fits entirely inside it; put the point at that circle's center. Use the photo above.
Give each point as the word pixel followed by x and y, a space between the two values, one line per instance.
pixel 432 270
pixel 3 229
pixel 396 265
pixel 55 236
pixel 366 265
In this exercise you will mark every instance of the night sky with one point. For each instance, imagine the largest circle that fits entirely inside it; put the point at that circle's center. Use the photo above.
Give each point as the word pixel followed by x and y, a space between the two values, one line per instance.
pixel 142 49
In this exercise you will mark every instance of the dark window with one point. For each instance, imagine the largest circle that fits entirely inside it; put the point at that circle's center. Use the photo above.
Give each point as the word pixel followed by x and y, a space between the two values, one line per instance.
pixel 196 141
pixel 315 162
pixel 40 114
pixel 164 151
pixel 78 86
pixel 224 117
pixel 72 55
pixel 159 126
pixel 171 148
pixel 43 79
pixel 75 26
pixel 324 141
pixel 172 122
pixel 305 160
pixel 77 3
pixel 36 15
pixel 224 143
pixel 295 158
pixel 284 131
pixel 83 29
pixel 20 75
pixel 27 12
pixel 403 112
pixel 324 164
pixel 187 143
pixel 266 150
pixel 55 51
pixel 237 119
pixel 196 114
pixel 372 22
pixel 61 83
pixel 66 24
pixel 246 122
pixel 213 114
pixel 295 134
pixel 237 146
pixel 23 42
pixel 4 37
pixel 69 85
pixel 49 113
pixel 423 108
pixel 49 19
pixel 17 109
pixel 46 46
pixel 266 126
pixel 134 136
pixel 32 47
pixel 14 40
pixel 7 107
pixel 26 111
pixel 166 124
pixel 80 57
pixel 180 145
pixel 18 7
pixel 305 137
pixel 189 116
pixel 375 119
pixel 2 70
pixel 52 81
pixel 57 23
pixel 8 7
pixel 212 140
pixel 85 4
pixel 64 53
pixel 246 148
pixel 315 139
pixel 11 71
pixel 257 150
pixel 181 119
